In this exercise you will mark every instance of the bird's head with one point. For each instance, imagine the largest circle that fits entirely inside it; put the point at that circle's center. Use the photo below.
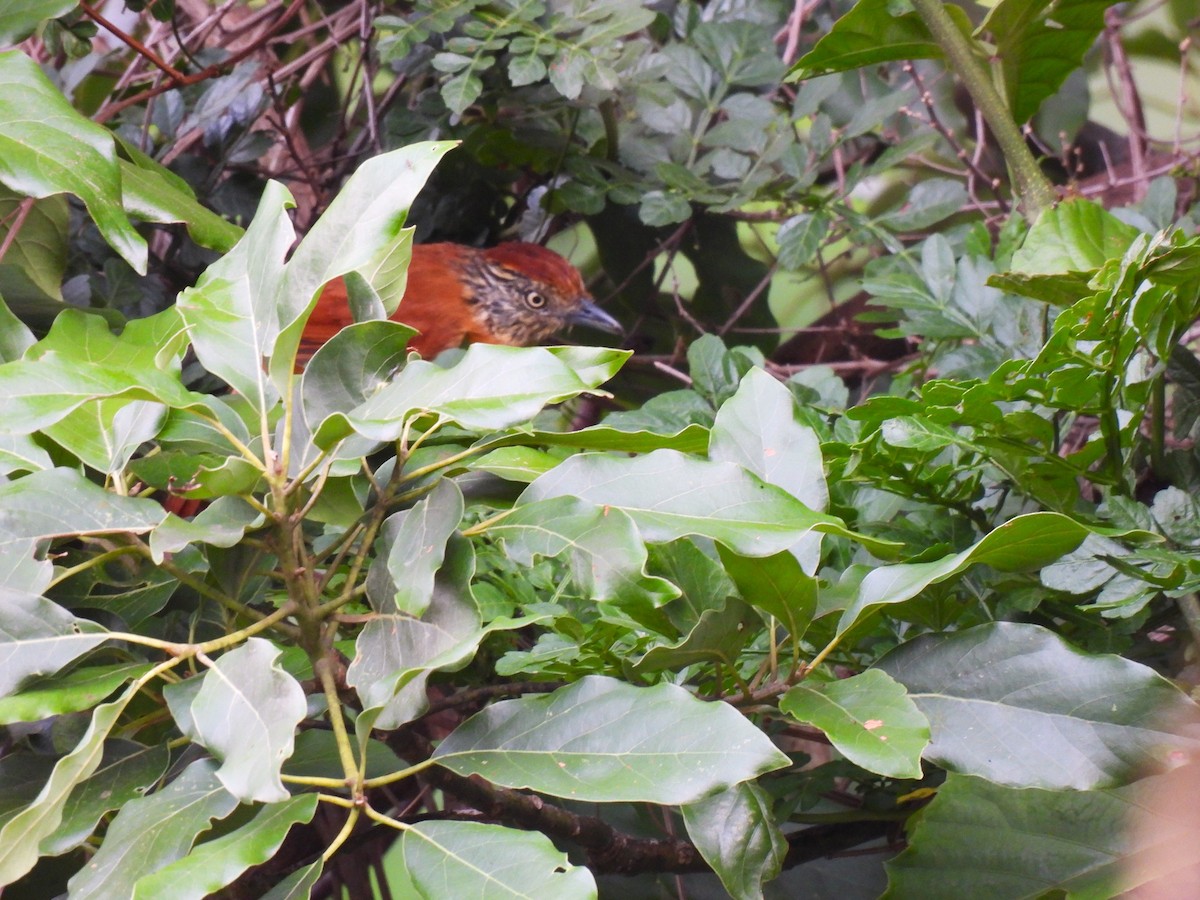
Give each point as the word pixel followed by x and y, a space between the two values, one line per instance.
pixel 524 294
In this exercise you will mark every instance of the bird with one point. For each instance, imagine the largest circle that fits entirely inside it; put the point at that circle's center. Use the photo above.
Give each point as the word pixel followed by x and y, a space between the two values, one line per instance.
pixel 514 293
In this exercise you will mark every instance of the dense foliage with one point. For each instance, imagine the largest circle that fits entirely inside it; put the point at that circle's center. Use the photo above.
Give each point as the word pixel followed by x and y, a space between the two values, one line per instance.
pixel 744 605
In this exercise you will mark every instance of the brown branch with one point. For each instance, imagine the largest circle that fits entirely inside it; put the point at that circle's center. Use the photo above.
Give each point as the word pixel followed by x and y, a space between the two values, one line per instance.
pixel 177 77
pixel 18 219
pixel 204 74
pixel 1129 102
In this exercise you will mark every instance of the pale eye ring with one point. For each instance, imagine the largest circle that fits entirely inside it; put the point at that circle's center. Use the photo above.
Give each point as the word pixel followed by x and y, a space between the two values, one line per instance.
pixel 534 300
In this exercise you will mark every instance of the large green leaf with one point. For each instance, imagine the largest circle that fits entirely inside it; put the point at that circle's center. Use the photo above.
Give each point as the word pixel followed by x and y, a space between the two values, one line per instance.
pixel 125 773
pixel 978 839
pixel 79 689
pixel 152 832
pixel 21 834
pixel 104 434
pixel 1017 705
pixel 394 654
pixel 21 453
pixel 38 637
pixel 737 835
pixel 473 859
pixel 1038 44
pixel 216 863
pixel 687 439
pixel 603 740
pixel 869 35
pixel 490 388
pixel 608 559
pixel 155 194
pixel 1026 542
pixel 670 495
pixel 348 369
pixel 1074 236
pixel 775 585
pixel 356 233
pixel 410 550
pixel 221 524
pixel 57 502
pixel 757 429
pixel 80 360
pixel 231 312
pixel 246 712
pixel 868 717
pixel 298 885
pixel 47 148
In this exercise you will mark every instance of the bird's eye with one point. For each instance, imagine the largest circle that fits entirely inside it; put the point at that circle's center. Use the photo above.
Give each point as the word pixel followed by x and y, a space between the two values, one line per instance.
pixel 534 300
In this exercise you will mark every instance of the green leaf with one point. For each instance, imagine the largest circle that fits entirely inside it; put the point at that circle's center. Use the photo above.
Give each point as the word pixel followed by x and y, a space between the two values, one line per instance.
pixel 567 71
pixel 1061 289
pixel 222 523
pixel 246 712
pixel 757 429
pixel 49 148
pixel 38 637
pixel 1025 542
pixel 801 236
pixel 985 840
pixel 410 550
pixel 21 834
pixel 737 835
pixel 105 433
pixel 609 436
pixel 395 654
pixel 15 336
pixel 717 635
pixel 930 201
pixel 490 388
pixel 620 18
pixel 298 885
pixel 77 690
pixel 126 772
pixel 473 859
pixel 1017 705
pixel 461 91
pixel 348 369
pixel 216 863
pixel 19 18
pixel 80 360
pixel 523 70
pixel 231 312
pixel 777 586
pixel 522 464
pixel 607 558
pixel 661 208
pixel 603 740
pixel 21 453
pixel 356 233
pixel 1038 44
pixel 868 35
pixel 57 502
pixel 1074 236
pixel 670 495
pixel 868 717
pixel 152 832
pixel 153 193
pixel 39 250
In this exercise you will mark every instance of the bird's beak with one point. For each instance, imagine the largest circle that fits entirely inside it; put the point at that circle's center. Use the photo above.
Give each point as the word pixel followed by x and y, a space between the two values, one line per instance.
pixel 590 314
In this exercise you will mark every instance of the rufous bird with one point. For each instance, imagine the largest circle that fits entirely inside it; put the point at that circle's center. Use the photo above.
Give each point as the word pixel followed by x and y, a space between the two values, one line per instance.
pixel 515 293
